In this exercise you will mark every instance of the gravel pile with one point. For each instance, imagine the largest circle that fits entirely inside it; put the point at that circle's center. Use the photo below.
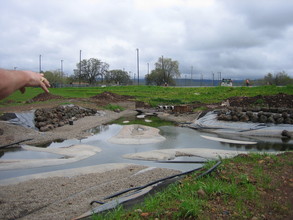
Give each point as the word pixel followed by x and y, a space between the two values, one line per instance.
pixel 257 115
pixel 49 118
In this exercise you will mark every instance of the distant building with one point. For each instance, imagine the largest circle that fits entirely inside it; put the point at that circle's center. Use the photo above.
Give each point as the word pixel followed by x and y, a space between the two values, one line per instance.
pixel 226 82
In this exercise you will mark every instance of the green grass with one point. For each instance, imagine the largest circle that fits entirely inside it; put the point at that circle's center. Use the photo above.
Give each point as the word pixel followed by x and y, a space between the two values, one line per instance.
pixel 114 107
pixel 236 191
pixel 155 121
pixel 155 95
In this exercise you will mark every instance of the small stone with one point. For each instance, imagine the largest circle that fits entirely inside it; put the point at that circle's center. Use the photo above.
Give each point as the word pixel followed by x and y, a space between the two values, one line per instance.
pixel 285 133
pixel 144 214
pixel 201 193
pixel 263 119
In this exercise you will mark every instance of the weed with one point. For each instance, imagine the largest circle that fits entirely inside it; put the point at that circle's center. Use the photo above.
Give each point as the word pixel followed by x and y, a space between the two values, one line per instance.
pixel 113 107
pixel 259 102
pixel 153 121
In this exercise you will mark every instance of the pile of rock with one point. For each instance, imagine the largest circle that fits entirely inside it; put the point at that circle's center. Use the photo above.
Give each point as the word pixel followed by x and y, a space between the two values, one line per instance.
pixel 257 115
pixel 49 118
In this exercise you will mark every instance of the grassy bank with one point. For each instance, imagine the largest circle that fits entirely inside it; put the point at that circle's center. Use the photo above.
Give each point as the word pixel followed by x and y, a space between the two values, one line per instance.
pixel 250 186
pixel 155 95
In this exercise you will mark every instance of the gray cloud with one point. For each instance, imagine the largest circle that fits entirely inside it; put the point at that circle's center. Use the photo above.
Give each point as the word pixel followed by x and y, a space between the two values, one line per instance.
pixel 238 38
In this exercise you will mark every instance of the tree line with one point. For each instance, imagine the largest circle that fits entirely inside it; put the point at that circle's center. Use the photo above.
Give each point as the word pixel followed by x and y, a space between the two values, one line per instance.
pixel 278 79
pixel 94 71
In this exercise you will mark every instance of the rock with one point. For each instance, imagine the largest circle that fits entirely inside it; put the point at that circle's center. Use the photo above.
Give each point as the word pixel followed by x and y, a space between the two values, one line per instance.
pixel 254 118
pixel 285 133
pixel 256 115
pixel 201 193
pixel 61 123
pixel 263 119
pixel 271 119
pixel 47 119
pixel 288 121
pixel 279 120
pixel 277 116
pixel 244 118
pixel 7 116
pixel 285 115
pixel 45 128
pixel 249 114
pixel 40 124
pixel 260 113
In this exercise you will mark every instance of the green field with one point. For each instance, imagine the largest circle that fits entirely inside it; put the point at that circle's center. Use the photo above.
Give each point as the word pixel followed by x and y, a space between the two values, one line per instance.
pixel 154 95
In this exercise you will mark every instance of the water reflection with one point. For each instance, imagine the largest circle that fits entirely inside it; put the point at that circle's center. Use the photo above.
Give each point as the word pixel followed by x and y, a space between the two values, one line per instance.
pixel 176 138
pixel 19 153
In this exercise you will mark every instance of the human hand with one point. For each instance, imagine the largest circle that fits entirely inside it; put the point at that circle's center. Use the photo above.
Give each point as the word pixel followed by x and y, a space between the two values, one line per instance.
pixel 35 79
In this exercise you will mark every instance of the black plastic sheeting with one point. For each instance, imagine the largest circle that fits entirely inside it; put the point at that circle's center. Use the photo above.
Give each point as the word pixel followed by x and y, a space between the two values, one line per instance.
pixel 25 119
pixel 140 192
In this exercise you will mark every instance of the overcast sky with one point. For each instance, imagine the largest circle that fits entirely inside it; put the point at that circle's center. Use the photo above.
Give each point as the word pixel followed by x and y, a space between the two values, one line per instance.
pixel 239 38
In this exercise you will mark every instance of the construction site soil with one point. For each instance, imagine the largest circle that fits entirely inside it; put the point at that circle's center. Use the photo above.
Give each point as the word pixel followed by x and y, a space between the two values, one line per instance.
pixel 43 209
pixel 272 101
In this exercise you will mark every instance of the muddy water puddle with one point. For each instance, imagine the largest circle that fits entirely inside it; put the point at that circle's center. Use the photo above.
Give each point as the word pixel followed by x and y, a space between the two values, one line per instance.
pixel 176 138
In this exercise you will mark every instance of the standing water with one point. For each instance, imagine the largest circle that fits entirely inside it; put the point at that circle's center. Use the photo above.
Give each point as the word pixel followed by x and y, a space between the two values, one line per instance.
pixel 176 138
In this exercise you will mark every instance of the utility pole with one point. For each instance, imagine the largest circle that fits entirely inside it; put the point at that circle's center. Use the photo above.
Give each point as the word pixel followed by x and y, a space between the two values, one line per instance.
pixel 137 56
pixel 40 63
pixel 148 68
pixel 191 70
pixel 61 67
pixel 79 66
pixel 163 69
pixel 134 78
pixel 219 74
pixel 213 77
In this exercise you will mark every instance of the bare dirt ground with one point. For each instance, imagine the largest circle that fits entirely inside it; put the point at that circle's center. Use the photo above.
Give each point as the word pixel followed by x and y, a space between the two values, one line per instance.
pixel 58 198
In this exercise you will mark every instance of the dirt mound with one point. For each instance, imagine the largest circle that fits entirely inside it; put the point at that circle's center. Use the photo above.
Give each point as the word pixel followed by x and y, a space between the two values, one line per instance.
pixel 276 101
pixel 44 97
pixel 109 96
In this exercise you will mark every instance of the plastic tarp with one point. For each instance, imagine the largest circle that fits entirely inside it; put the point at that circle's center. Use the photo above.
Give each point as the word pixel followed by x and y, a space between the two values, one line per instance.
pixel 25 119
pixel 210 123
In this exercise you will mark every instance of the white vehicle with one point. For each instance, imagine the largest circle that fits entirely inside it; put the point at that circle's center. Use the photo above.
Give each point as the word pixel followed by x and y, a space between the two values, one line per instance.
pixel 226 82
